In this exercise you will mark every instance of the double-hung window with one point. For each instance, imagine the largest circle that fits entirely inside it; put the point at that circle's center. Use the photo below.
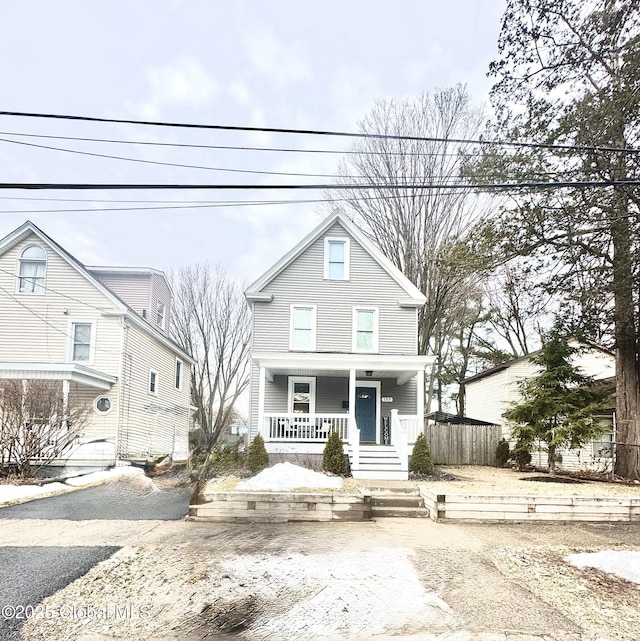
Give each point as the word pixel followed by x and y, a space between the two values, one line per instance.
pixel 178 380
pixel 336 258
pixel 303 328
pixel 365 329
pixel 32 270
pixel 153 382
pixel 81 342
pixel 302 395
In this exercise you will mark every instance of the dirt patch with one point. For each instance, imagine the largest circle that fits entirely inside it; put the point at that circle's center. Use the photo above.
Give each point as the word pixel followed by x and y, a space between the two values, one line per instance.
pixel 552 479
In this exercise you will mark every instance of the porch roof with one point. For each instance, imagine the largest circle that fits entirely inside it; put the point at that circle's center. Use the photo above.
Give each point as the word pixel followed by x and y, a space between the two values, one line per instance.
pixel 403 368
pixel 58 372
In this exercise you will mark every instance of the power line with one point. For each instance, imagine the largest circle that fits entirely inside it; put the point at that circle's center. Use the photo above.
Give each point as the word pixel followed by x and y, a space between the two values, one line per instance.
pixel 317 132
pixel 119 141
pixel 327 187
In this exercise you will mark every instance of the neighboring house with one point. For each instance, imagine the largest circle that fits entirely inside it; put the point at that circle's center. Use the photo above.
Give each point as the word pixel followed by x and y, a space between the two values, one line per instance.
pixel 334 347
pixel 103 332
pixel 490 393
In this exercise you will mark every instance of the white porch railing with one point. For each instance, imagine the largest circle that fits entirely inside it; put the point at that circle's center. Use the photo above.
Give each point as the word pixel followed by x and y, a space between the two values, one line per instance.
pixel 400 439
pixel 308 428
pixel 412 425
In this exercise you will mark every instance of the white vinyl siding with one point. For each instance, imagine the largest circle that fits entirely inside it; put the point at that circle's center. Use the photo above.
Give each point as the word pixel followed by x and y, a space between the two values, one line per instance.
pixel 336 258
pixel 303 328
pixel 365 329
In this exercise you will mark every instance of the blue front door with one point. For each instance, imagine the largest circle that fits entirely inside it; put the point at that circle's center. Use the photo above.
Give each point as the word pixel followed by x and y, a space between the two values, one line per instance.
pixel 366 405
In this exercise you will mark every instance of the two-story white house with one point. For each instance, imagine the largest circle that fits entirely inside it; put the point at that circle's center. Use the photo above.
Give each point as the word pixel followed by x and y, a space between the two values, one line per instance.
pixel 103 334
pixel 335 347
pixel 490 393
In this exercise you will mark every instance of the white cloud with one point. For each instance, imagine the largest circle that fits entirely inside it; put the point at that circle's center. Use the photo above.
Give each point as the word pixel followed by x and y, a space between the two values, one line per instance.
pixel 184 82
pixel 240 93
pixel 280 63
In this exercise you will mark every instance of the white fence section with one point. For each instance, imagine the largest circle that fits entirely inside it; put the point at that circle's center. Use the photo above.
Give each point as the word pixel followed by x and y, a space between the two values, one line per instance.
pixel 310 428
pixel 412 425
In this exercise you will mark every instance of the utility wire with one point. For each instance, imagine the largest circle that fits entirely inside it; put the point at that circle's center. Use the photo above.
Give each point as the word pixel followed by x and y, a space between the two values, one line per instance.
pixel 238 147
pixel 317 132
pixel 338 187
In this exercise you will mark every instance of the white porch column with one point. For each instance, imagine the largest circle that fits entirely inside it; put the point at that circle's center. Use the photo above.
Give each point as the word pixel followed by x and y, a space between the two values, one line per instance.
pixel 420 399
pixel 352 400
pixel 261 386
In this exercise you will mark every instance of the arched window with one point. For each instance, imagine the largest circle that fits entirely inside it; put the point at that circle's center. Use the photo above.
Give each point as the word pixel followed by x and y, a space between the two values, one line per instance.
pixel 32 271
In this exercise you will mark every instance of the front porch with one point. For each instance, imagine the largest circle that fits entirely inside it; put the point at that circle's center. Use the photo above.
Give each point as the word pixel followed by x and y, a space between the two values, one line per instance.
pixel 374 402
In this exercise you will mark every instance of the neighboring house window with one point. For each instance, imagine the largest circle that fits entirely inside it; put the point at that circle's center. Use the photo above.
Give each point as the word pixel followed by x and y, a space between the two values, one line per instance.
pixel 81 345
pixel 603 448
pixel 302 395
pixel 336 258
pixel 153 382
pixel 303 327
pixel 365 329
pixel 32 270
pixel 178 380
pixel 160 316
pixel 102 405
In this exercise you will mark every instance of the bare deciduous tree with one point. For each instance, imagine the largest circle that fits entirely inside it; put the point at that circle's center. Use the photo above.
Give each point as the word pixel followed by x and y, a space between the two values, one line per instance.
pixel 37 424
pixel 421 229
pixel 211 322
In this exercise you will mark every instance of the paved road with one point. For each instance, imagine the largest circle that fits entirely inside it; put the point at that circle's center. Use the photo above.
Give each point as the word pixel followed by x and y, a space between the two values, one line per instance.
pixel 29 574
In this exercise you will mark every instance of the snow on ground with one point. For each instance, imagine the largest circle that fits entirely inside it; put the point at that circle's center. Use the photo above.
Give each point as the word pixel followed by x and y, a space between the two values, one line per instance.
pixel 623 563
pixel 286 476
pixel 10 493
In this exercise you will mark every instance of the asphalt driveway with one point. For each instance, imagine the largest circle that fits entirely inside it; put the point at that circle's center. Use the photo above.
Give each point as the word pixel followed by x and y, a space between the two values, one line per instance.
pixel 118 500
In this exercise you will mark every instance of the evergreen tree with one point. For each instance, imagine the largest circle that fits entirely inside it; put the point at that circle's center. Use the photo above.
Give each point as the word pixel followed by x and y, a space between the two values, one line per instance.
pixel 421 462
pixel 558 404
pixel 258 457
pixel 333 460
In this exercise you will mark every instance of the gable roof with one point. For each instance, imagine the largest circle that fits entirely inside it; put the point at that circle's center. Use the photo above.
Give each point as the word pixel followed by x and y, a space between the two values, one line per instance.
pixel 506 365
pixel 415 298
pixel 28 228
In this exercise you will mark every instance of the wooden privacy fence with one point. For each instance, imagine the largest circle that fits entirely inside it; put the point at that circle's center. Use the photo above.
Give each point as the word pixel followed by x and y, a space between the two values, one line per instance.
pixel 456 444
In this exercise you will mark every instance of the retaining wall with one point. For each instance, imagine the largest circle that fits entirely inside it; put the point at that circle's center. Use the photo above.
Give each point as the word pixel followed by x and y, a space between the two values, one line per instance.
pixel 280 507
pixel 530 508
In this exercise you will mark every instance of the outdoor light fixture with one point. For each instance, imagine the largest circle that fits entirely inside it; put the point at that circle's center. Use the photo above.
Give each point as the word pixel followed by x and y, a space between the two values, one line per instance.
pixel 369 372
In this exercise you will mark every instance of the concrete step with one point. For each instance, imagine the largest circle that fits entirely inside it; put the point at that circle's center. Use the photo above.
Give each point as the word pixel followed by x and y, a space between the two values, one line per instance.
pixel 386 491
pixel 381 474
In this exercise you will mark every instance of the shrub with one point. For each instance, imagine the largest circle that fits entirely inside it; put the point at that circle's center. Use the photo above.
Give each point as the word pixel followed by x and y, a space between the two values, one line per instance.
pixel 522 455
pixel 333 455
pixel 225 459
pixel 258 457
pixel 421 462
pixel 503 453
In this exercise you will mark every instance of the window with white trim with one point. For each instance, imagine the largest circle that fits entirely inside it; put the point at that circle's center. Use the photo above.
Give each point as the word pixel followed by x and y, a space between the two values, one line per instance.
pixel 336 258
pixel 81 343
pixel 32 270
pixel 302 395
pixel 153 382
pixel 160 315
pixel 178 377
pixel 303 328
pixel 365 329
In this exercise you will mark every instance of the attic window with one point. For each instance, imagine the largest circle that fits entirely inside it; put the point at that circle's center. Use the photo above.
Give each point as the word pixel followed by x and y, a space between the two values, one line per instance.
pixel 32 270
pixel 336 258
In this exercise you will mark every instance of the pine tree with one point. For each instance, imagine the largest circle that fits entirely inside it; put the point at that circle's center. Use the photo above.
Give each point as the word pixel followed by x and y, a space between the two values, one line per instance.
pixel 421 462
pixel 558 404
pixel 333 460
pixel 258 457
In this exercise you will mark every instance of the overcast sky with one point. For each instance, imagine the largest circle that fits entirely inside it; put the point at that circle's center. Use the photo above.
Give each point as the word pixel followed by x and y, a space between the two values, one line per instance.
pixel 274 63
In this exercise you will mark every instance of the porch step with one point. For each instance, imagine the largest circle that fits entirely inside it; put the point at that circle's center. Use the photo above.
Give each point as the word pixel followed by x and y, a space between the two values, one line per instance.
pixel 398 503
pixel 378 462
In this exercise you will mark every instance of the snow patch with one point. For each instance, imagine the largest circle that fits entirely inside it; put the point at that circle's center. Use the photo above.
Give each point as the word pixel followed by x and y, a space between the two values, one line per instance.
pixel 624 564
pixel 10 493
pixel 286 476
